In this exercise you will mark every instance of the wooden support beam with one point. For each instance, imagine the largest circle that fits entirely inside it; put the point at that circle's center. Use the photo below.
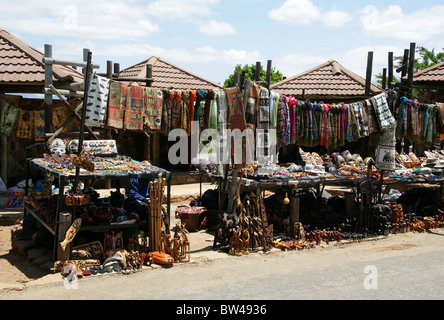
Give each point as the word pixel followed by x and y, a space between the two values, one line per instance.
pixel 258 71
pixel 368 77
pixel 390 69
pixel 48 60
pixel 70 108
pixel 48 82
pixel 268 78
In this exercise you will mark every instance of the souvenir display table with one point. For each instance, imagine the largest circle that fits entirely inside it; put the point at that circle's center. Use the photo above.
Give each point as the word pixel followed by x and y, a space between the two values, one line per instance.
pixel 114 168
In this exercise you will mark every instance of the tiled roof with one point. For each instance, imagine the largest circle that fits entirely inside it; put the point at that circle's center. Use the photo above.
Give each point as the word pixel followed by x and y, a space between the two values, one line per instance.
pixel 434 73
pixel 167 75
pixel 330 80
pixel 22 64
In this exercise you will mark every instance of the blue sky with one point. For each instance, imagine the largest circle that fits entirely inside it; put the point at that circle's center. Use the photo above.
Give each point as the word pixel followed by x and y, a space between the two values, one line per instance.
pixel 209 37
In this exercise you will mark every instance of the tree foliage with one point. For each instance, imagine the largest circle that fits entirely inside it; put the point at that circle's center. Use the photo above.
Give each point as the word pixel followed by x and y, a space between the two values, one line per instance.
pixel 250 72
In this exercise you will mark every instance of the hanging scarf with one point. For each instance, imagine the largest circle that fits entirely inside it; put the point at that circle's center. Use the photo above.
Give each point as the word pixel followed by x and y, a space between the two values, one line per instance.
pixel 153 108
pixel 252 103
pixel 98 91
pixel 364 119
pixel 276 98
pixel 165 126
pixel 281 122
pixel 384 116
pixel 324 125
pixel 271 102
pixel 207 108
pixel 292 107
pixel 200 96
pixel 184 112
pixel 9 117
pixel 212 116
pixel 192 99
pixel 116 104
pixel 372 123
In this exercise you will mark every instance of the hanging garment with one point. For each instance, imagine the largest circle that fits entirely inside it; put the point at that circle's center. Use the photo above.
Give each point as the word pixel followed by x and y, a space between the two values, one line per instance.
pixel 271 98
pixel 276 98
pixel 153 108
pixel 212 113
pixel 133 118
pixel 386 152
pixel 173 106
pixel 9 117
pixel 184 115
pixel 292 102
pixel 364 119
pixel 324 125
pixel 222 124
pixel 25 124
pixel 97 103
pixel 209 99
pixel 384 116
pixel 116 104
pixel 39 125
pixel 372 122
pixel 237 117
pixel 263 123
pixel 252 103
pixel 201 95
pixel 281 123
pixel 191 101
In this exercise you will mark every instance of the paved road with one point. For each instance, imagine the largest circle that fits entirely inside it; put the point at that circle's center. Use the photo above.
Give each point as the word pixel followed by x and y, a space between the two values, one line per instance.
pixel 403 266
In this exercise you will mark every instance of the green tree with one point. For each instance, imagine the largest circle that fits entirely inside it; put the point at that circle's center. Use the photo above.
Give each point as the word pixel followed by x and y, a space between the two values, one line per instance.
pixel 424 58
pixel 250 72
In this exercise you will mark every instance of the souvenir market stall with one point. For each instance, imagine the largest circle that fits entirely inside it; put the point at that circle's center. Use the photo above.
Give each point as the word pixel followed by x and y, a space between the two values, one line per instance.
pixel 253 224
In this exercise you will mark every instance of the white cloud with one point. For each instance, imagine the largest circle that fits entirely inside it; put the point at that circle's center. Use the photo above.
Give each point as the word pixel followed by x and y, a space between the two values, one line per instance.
pixel 214 27
pixel 98 19
pixel 393 23
pixel 297 12
pixel 336 19
pixel 181 10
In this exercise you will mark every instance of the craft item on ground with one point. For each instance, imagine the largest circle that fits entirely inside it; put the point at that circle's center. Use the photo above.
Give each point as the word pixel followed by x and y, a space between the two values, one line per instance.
pixel 162 258
pixel 9 117
pixel 71 233
pixel 112 241
pixel 116 104
pixel 97 101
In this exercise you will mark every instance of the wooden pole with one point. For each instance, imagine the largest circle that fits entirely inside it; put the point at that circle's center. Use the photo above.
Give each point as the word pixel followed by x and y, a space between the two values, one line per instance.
pixel 48 98
pixel 384 78
pixel 390 69
pixel 268 79
pixel 258 71
pixel 368 77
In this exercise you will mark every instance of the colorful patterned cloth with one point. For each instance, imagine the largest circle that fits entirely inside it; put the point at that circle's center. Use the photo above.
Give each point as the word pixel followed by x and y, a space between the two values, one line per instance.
pixel 383 114
pixel 153 108
pixel 116 104
pixel 237 117
pixel 134 111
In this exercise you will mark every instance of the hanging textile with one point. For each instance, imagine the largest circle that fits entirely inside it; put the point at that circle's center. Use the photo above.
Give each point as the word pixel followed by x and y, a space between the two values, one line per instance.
pixel 116 104
pixel 173 106
pixel 292 102
pixel 385 152
pixel 9 117
pixel 153 108
pixel 193 97
pixel 237 116
pixel 184 112
pixel 384 116
pixel 440 117
pixel 275 110
pixel 263 122
pixel 372 122
pixel 212 112
pixel 281 123
pixel 39 125
pixel 324 139
pixel 98 90
pixel 200 96
pixel 133 119
pixel 252 103
pixel 25 124
pixel 164 126
pixel 222 124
